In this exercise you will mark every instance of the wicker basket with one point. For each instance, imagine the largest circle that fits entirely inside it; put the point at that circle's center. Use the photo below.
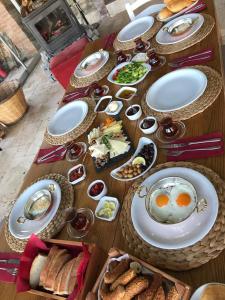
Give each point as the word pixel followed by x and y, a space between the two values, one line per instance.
pixel 12 102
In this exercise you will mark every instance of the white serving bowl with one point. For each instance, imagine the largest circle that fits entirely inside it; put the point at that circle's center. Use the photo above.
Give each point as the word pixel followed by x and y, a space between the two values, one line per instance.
pixel 119 92
pixel 103 192
pixel 79 179
pixel 151 129
pixel 135 116
pixel 101 204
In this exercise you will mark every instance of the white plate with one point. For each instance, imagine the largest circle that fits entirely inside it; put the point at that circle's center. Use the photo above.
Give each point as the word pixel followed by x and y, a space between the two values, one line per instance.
pixel 142 142
pixel 24 231
pixel 176 90
pixel 164 38
pixel 152 9
pixel 101 205
pixel 110 76
pixel 198 293
pixel 179 13
pixel 186 233
pixel 68 118
pixel 135 29
pixel 97 59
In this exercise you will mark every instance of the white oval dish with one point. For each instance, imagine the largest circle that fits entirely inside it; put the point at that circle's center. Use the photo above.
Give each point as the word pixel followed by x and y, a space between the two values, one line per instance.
pixel 110 76
pixel 176 90
pixel 67 118
pixel 103 192
pixel 135 29
pixel 151 129
pixel 116 112
pixel 164 38
pixel 79 179
pixel 101 204
pixel 186 233
pixel 99 102
pixel 142 142
pixel 126 88
pixel 135 116
pixel 24 231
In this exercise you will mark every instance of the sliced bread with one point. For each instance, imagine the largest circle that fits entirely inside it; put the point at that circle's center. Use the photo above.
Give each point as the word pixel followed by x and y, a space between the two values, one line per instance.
pixel 37 266
pixel 44 271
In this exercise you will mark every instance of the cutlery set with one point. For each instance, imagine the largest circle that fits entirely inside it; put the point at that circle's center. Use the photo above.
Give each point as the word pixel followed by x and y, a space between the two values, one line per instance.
pixel 9 269
pixel 52 154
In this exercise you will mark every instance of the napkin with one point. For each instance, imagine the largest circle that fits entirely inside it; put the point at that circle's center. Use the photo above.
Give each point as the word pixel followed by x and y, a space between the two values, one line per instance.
pixel 108 41
pixel 199 6
pixel 56 156
pixel 76 94
pixel 4 275
pixel 197 154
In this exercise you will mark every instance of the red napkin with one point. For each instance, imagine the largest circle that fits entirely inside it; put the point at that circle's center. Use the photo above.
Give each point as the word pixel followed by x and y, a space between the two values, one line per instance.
pixel 58 155
pixel 198 154
pixel 4 275
pixel 33 247
pixel 76 94
pixel 108 41
pixel 199 6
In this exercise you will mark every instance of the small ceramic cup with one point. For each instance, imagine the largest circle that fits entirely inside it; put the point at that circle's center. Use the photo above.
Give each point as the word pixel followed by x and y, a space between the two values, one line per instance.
pixel 151 129
pixel 103 192
pixel 135 116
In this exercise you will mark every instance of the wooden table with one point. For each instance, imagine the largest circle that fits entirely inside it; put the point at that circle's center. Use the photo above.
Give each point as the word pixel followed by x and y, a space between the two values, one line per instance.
pixel 109 234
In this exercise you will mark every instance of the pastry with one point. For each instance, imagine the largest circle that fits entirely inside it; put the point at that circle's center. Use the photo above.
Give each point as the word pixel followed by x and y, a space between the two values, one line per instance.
pixel 178 5
pixel 173 294
pixel 124 279
pixel 150 292
pixel 117 294
pixel 213 292
pixel 35 271
pixel 160 294
pixel 113 264
pixel 164 14
pixel 122 267
pixel 43 274
pixel 135 287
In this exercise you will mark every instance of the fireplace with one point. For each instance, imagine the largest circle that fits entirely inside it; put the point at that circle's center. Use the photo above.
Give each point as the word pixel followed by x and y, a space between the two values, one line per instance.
pixel 54 26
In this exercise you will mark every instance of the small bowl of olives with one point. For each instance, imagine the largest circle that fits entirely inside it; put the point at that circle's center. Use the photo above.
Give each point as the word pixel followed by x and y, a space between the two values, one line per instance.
pixel 148 125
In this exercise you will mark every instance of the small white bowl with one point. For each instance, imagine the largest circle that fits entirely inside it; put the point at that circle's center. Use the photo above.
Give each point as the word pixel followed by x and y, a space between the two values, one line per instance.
pixel 135 116
pixel 79 179
pixel 99 102
pixel 116 112
pixel 126 88
pixel 151 129
pixel 101 204
pixel 103 192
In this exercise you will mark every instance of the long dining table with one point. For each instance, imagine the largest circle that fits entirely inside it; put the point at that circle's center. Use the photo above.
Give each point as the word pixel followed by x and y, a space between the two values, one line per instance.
pixel 109 234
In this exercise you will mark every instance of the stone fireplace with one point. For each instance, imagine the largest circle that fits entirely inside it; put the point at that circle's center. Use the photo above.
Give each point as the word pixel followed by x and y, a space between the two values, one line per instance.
pixel 54 26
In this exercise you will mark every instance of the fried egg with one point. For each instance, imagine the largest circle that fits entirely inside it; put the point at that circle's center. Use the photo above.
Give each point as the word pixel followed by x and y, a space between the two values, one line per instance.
pixel 172 205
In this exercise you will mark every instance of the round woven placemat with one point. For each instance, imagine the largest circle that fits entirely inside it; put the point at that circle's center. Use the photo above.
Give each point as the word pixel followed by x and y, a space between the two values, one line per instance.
pixel 182 259
pixel 145 37
pixel 213 89
pixel 205 30
pixel 78 82
pixel 78 131
pixel 57 223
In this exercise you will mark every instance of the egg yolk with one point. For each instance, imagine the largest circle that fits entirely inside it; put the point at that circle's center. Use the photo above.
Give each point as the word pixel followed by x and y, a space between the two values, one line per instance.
pixel 183 199
pixel 162 200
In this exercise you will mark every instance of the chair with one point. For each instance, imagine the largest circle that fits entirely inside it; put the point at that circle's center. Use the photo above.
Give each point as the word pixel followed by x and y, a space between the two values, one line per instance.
pixel 153 8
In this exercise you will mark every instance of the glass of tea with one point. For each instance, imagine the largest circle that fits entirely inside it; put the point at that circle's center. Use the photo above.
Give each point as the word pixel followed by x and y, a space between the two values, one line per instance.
pixel 170 130
pixel 141 46
pixel 97 89
pixel 155 61
pixel 121 57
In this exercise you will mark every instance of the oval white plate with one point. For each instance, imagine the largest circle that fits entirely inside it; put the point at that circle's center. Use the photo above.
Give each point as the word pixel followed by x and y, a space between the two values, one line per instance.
pixel 179 13
pixel 198 293
pixel 152 9
pixel 24 231
pixel 164 38
pixel 135 29
pixel 176 90
pixel 186 233
pixel 102 56
pixel 143 141
pixel 68 118
pixel 110 76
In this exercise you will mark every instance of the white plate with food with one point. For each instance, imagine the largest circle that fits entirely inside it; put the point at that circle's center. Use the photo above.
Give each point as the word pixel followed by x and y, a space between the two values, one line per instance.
pixel 210 291
pixel 135 29
pixel 129 73
pixel 67 118
pixel 24 230
pixel 92 64
pixel 182 234
pixel 176 90
pixel 166 15
pixel 146 152
pixel 179 29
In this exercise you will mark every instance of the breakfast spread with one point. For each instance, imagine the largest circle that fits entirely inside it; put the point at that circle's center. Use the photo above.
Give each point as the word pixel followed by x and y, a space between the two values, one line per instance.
pixel 130 73
pixel 173 7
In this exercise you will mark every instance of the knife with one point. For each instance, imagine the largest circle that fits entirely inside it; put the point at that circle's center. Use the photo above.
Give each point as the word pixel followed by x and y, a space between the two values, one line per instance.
pixel 15 261
pixel 206 52
pixel 40 159
pixel 173 146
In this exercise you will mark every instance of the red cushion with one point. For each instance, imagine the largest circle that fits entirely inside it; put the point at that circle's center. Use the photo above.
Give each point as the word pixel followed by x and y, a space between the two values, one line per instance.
pixel 63 64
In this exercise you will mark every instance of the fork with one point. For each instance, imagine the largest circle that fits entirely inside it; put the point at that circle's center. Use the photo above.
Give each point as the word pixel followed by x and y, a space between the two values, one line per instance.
pixel 178 153
pixel 11 271
pixel 189 61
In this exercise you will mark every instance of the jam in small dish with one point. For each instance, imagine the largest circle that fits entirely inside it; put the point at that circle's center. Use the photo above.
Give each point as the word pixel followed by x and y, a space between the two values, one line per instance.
pixel 76 174
pixel 97 189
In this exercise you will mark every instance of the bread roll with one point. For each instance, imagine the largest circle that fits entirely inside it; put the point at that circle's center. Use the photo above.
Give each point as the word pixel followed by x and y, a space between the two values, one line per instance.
pixel 164 14
pixel 124 279
pixel 122 267
pixel 213 292
pixel 150 292
pixel 173 294
pixel 118 294
pixel 135 287
pixel 178 5
pixel 167 1
pixel 36 268
pixel 160 294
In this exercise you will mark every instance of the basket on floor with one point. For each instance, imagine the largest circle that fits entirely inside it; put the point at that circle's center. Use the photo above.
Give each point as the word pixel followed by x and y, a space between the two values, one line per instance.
pixel 12 102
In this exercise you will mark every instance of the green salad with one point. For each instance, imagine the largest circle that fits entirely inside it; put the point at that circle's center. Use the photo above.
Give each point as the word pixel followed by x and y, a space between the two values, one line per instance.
pixel 130 73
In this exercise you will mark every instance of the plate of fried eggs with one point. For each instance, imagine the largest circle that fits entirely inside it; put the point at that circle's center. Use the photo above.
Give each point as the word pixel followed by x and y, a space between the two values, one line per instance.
pixel 174 208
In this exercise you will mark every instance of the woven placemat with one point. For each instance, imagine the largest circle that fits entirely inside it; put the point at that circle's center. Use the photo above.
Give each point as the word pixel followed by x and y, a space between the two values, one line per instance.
pixel 213 89
pixel 78 131
pixel 57 223
pixel 145 37
pixel 182 259
pixel 78 82
pixel 205 30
